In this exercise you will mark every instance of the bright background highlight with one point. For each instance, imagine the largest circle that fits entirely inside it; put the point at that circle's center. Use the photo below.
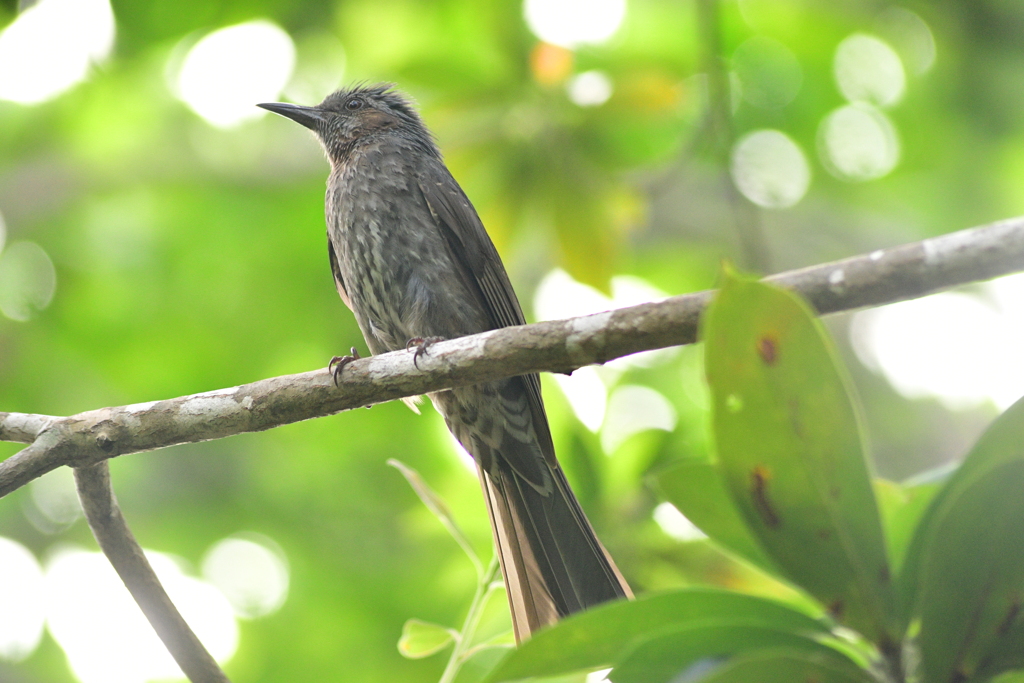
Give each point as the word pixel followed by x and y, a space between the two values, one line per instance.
pixel 91 615
pixel 571 23
pixel 963 349
pixel 230 70
pixel 51 46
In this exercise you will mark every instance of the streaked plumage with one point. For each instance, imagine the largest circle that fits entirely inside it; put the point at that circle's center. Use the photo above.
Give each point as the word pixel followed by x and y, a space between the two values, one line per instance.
pixel 412 260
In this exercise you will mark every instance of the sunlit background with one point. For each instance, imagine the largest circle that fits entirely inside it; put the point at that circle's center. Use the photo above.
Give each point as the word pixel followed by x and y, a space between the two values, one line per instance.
pixel 160 235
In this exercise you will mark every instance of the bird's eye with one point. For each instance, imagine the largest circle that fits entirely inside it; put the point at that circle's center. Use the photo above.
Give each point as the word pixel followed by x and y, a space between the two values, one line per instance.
pixel 354 104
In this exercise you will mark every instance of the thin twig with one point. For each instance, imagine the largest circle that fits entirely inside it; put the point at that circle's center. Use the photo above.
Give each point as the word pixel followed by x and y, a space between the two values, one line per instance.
pixel 461 650
pixel 881 277
pixel 119 545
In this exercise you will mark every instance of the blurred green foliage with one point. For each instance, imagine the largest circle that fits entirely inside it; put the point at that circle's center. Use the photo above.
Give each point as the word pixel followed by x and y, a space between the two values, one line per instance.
pixel 190 258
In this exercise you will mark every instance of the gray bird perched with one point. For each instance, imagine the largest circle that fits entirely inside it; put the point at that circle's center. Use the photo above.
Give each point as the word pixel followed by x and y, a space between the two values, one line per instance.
pixel 412 260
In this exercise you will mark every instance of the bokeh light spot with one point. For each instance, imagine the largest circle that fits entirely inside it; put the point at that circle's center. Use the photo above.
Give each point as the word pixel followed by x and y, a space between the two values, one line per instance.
pixel 590 88
pixel 770 169
pixel 571 23
pixel 21 601
pixel 104 634
pixel 770 75
pixel 675 524
pixel 228 71
pixel 586 394
pixel 550 64
pixel 48 48
pixel 910 35
pixel 858 142
pixel 978 359
pixel 633 408
pixel 867 69
pixel 56 499
pixel 27 280
pixel 319 68
pixel 251 571
pixel 559 296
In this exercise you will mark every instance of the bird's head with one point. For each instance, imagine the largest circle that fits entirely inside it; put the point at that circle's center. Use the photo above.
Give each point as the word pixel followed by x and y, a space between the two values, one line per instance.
pixel 348 116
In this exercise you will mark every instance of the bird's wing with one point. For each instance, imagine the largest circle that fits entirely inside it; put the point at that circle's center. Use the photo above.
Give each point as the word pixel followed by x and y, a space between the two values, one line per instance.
pixel 339 281
pixel 473 250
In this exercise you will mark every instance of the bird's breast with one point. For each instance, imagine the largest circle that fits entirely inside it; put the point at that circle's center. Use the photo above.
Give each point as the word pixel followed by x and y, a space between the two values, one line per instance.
pixel 399 272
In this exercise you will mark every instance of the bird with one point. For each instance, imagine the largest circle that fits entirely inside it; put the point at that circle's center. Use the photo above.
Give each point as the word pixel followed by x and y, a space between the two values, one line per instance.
pixel 412 260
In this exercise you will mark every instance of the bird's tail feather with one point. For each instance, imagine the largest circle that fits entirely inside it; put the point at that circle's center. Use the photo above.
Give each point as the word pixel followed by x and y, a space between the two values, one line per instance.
pixel 552 561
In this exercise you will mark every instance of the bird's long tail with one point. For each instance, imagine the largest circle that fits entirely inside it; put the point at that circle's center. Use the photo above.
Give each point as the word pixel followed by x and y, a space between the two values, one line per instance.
pixel 551 559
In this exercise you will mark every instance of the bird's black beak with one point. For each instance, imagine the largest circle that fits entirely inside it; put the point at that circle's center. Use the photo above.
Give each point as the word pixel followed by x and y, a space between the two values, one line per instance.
pixel 310 117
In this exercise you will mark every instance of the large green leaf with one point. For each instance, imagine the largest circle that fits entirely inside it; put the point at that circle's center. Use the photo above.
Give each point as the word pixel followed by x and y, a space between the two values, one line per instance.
pixel 696 488
pixel 1002 442
pixel 790 450
pixel 972 578
pixel 665 657
pixel 783 666
pixel 601 636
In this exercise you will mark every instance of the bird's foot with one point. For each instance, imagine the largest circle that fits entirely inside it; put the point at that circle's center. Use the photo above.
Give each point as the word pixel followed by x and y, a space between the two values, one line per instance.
pixel 338 364
pixel 421 344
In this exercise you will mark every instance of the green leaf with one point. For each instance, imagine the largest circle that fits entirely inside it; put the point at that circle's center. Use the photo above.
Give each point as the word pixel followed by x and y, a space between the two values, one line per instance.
pixel 1007 655
pixel 783 666
pixel 421 639
pixel 972 577
pixel 1010 677
pixel 600 636
pixel 791 453
pixel 696 488
pixel 902 508
pixel 1002 442
pixel 666 657
pixel 440 509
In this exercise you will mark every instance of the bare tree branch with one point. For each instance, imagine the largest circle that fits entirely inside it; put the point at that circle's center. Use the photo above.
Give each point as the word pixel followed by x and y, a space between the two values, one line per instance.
pixel 881 277
pixel 119 545
pixel 23 427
